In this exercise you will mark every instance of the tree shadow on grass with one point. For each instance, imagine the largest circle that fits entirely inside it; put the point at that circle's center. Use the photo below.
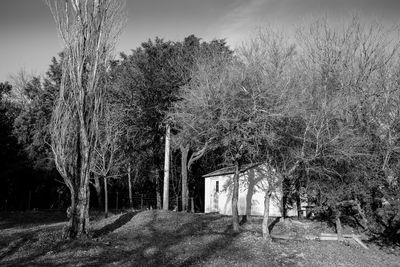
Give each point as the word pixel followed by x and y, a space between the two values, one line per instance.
pixel 189 243
pixel 14 246
pixel 162 240
pixel 30 240
pixel 273 223
pixel 180 246
pixel 30 245
pixel 121 221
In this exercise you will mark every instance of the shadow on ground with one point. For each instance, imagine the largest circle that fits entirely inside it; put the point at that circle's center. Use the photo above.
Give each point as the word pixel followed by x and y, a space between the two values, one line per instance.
pixel 149 238
pixel 122 220
pixel 169 239
pixel 23 219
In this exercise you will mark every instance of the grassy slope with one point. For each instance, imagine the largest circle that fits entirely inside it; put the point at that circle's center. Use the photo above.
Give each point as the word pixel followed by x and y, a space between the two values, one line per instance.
pixel 159 238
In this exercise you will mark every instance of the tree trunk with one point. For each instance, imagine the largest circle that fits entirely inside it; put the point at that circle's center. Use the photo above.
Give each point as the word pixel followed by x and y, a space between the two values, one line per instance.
pixel 80 192
pixel 362 215
pixel 265 230
pixel 285 194
pixel 78 226
pixel 166 169
pixel 158 194
pixel 130 186
pixel 105 198
pixel 97 187
pixel 251 182
pixel 191 205
pixel 184 171
pixel 298 199
pixel 339 226
pixel 235 196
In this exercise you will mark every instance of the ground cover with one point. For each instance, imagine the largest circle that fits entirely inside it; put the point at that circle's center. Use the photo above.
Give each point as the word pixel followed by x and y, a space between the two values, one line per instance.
pixel 167 238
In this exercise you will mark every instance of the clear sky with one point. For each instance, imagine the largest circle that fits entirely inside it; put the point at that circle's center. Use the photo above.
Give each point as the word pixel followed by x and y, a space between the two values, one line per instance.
pixel 28 37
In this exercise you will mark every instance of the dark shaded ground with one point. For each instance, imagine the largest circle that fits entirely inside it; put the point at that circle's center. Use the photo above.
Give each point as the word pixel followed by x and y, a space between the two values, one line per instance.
pixel 159 238
pixel 30 218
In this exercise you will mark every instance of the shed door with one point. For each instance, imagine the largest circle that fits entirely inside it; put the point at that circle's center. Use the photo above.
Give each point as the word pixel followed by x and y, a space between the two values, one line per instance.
pixel 214 195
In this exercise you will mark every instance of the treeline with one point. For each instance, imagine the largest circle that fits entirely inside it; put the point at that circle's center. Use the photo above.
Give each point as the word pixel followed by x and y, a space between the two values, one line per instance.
pixel 141 88
pixel 320 106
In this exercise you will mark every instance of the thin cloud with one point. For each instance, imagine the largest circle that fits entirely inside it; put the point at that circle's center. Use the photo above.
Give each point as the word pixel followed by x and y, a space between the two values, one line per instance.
pixel 244 17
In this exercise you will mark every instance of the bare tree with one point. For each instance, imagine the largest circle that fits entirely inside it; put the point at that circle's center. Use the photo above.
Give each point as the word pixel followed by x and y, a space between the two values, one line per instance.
pixel 195 116
pixel 89 31
pixel 346 74
pixel 107 157
pixel 268 81
pixel 19 81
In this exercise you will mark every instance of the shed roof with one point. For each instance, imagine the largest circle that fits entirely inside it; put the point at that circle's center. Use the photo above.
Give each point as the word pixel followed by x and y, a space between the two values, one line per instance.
pixel 231 170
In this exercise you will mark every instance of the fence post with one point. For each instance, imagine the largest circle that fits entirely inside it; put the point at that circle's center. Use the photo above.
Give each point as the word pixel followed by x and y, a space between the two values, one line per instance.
pixel 192 204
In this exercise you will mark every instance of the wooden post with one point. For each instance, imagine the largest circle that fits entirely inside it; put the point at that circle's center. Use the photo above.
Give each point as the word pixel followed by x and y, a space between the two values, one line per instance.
pixel 166 168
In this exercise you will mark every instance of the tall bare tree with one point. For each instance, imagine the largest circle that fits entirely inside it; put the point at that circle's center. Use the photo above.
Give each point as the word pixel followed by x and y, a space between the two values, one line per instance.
pixel 89 31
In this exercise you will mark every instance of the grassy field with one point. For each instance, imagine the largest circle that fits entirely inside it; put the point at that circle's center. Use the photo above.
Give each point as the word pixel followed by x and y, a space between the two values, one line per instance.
pixel 159 238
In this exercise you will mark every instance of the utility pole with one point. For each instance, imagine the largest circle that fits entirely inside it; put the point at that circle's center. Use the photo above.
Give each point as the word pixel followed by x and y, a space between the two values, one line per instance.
pixel 166 168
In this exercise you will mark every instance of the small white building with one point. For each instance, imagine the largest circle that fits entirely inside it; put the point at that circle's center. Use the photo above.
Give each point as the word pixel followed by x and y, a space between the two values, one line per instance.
pixel 253 180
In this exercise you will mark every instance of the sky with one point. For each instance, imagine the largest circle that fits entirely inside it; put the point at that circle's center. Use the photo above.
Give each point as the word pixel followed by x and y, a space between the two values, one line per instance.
pixel 28 36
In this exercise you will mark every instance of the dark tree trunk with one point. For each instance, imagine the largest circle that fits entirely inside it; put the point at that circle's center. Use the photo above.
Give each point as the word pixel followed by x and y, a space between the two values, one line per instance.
pixel 158 189
pixel 97 187
pixel 184 171
pixel 105 198
pixel 251 182
pixel 235 196
pixel 78 226
pixel 298 199
pixel 285 196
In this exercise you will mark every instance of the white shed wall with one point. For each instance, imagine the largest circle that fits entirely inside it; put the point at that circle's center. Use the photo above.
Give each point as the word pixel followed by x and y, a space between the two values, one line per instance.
pixel 221 201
